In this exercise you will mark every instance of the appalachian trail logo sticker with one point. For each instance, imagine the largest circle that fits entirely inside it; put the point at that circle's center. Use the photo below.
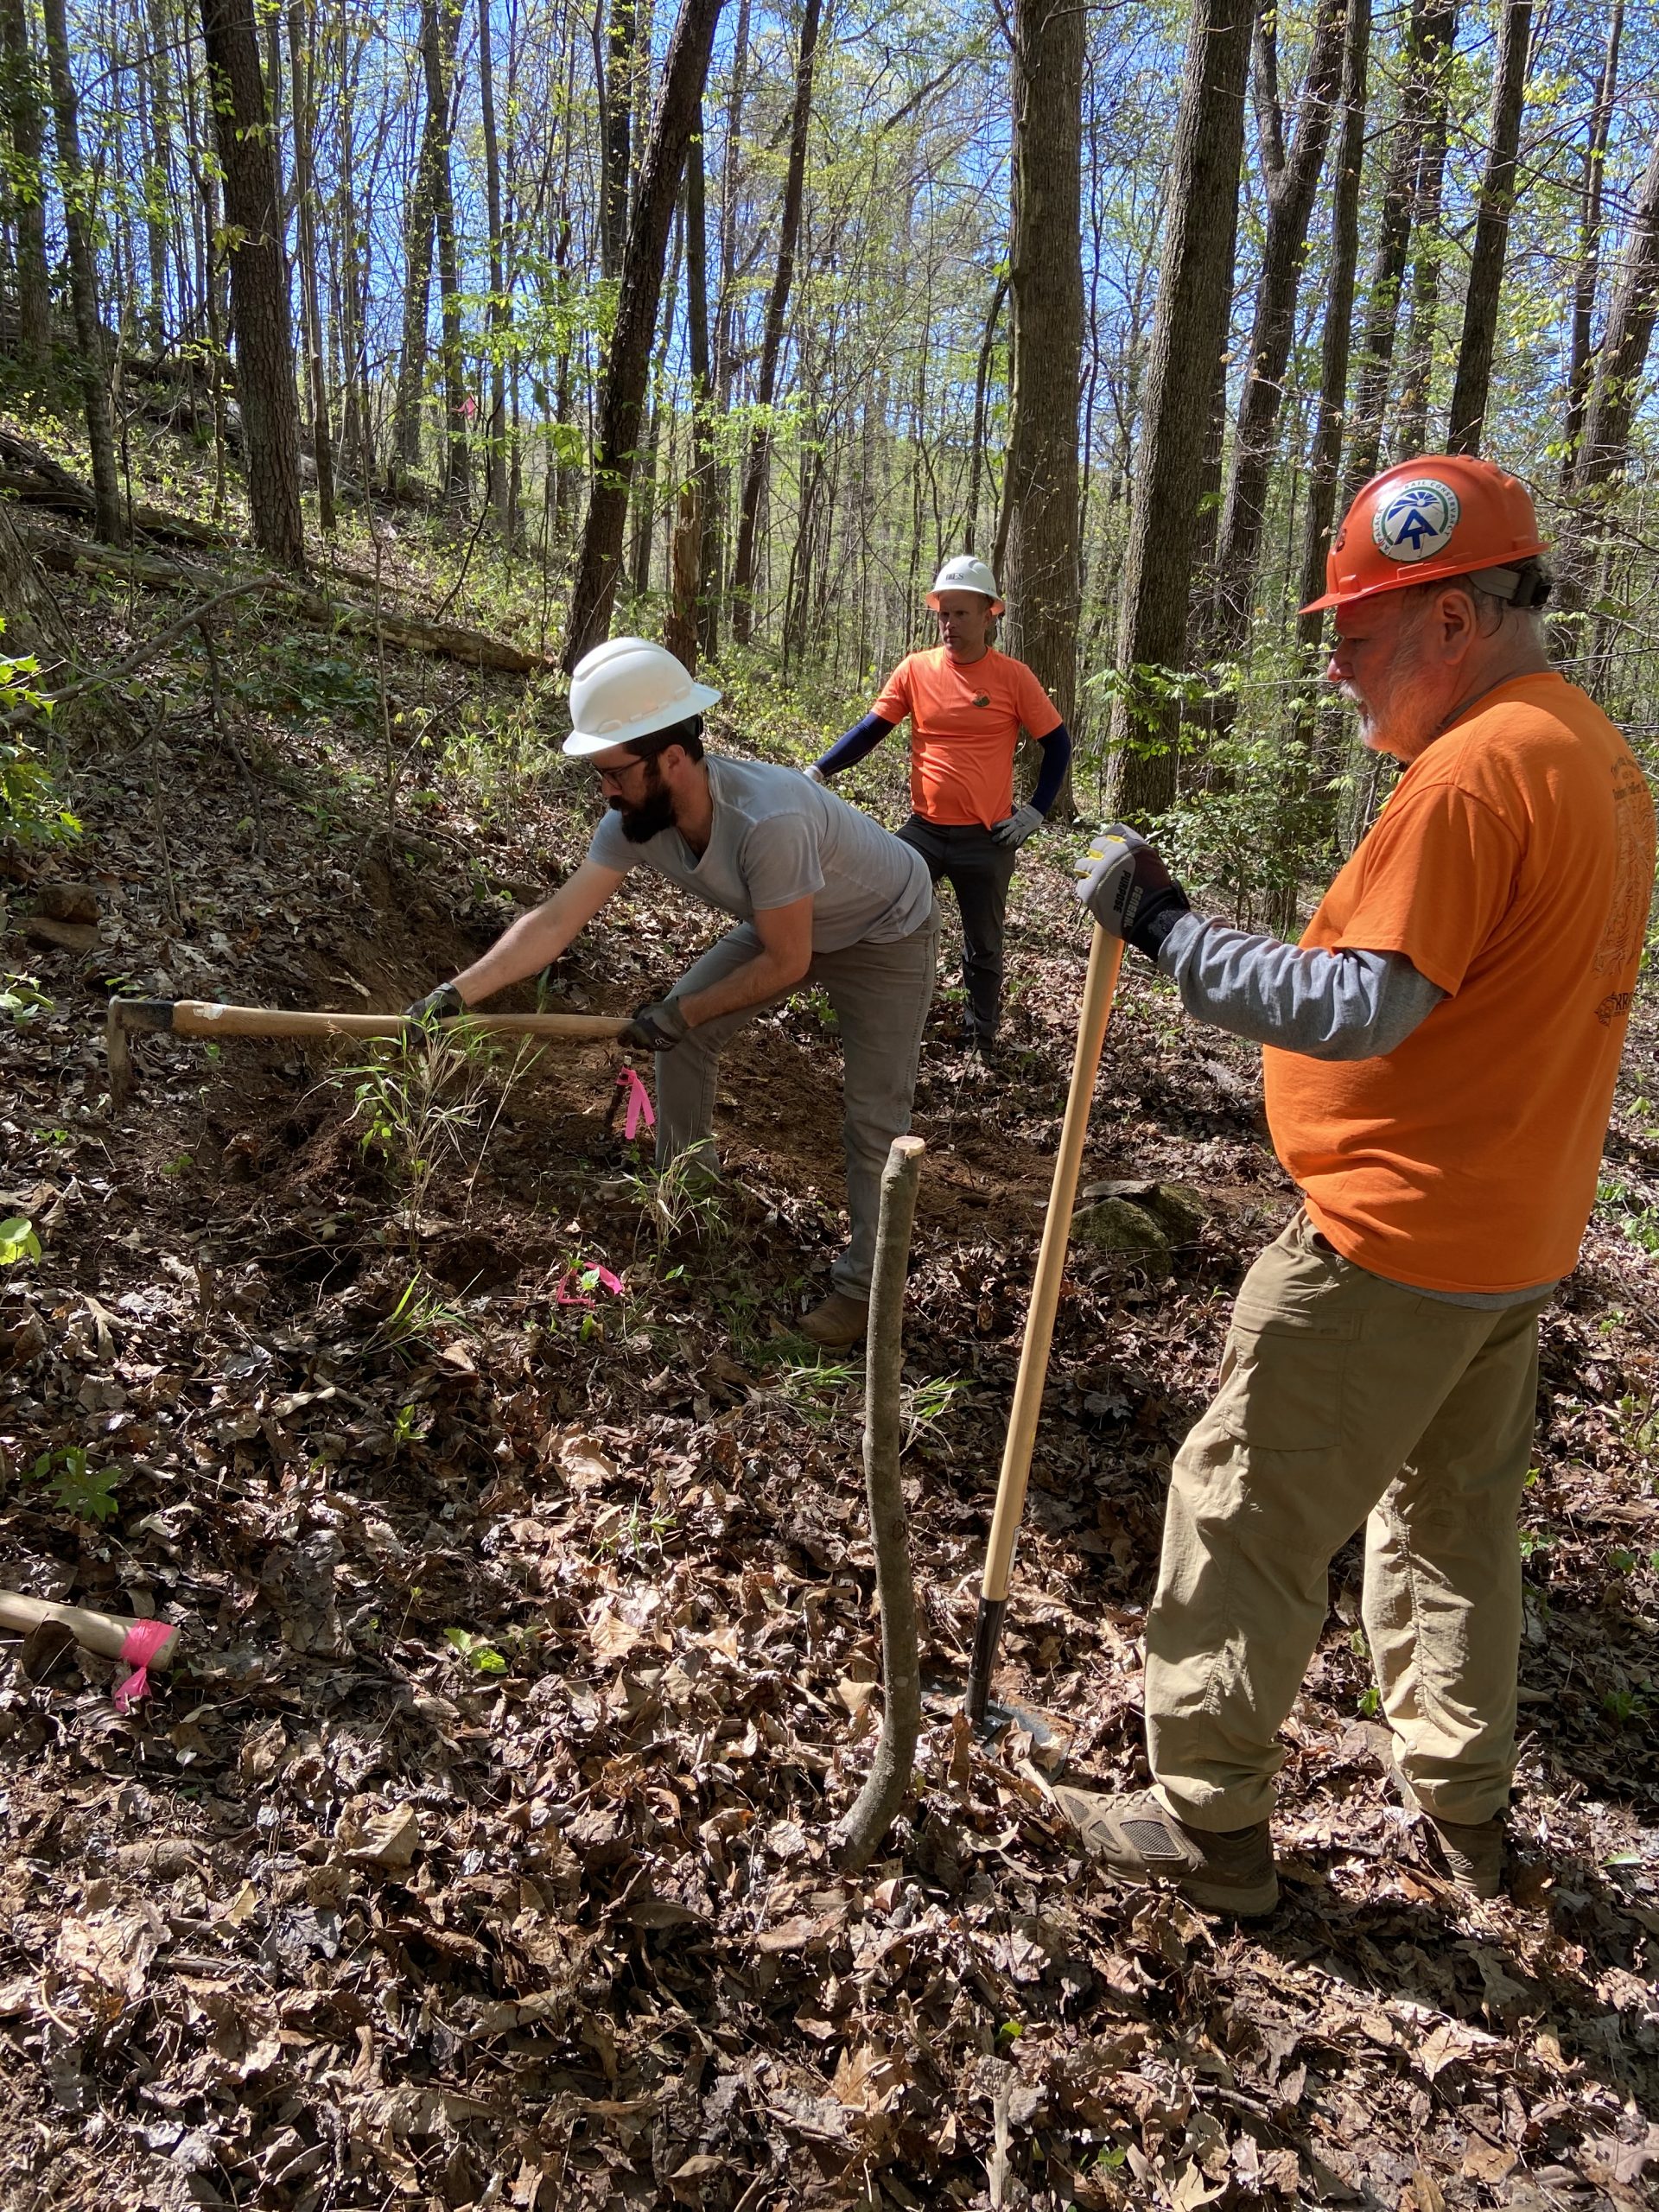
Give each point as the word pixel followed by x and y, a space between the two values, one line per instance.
pixel 1416 520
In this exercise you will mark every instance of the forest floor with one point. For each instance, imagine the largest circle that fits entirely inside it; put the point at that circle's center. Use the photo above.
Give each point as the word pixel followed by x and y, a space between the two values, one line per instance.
pixel 476 1851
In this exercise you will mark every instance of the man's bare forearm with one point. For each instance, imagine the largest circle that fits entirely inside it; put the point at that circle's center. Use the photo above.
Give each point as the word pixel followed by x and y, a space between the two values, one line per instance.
pixel 762 978
pixel 538 938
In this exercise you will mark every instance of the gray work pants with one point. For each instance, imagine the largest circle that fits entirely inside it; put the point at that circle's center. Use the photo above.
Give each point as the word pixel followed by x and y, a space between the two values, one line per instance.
pixel 979 871
pixel 881 993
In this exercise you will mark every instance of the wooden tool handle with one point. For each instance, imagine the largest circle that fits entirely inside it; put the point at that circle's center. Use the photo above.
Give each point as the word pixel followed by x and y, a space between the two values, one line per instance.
pixel 104 1633
pixel 1105 959
pixel 202 1018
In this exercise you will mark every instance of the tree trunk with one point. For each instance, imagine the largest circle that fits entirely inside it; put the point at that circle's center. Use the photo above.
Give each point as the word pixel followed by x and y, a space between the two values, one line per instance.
pixel 79 192
pixel 259 308
pixel 615 138
pixel 1622 356
pixel 1411 434
pixel 622 395
pixel 982 405
pixel 696 567
pixel 1045 289
pixel 440 29
pixel 744 561
pixel 1474 376
pixel 1583 283
pixel 25 120
pixel 1325 460
pixel 301 56
pixel 1433 23
pixel 419 223
pixel 1291 179
pixel 500 311
pixel 1189 333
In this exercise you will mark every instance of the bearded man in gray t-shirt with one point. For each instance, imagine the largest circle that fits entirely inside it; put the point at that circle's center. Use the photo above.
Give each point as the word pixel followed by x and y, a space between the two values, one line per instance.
pixel 821 895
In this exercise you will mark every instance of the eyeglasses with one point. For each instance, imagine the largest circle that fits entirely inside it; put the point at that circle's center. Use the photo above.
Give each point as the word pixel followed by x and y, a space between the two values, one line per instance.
pixel 608 777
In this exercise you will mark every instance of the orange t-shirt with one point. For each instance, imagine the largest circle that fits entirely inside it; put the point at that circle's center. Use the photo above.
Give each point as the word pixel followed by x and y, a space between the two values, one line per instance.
pixel 1512 865
pixel 965 724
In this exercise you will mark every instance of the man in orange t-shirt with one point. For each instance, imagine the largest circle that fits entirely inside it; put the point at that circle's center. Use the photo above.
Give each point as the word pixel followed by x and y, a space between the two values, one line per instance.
pixel 967 704
pixel 1441 1053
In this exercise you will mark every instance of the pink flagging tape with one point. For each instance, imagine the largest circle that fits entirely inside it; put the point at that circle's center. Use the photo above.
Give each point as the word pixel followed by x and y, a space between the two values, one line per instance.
pixel 588 1277
pixel 640 1107
pixel 139 1646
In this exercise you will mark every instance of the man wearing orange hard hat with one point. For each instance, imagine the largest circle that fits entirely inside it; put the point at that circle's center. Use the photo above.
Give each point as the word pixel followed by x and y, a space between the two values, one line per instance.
pixel 1441 1049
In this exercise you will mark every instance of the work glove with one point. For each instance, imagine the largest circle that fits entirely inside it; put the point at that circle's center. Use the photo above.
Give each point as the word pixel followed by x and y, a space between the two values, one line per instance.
pixel 1024 821
pixel 656 1027
pixel 1128 890
pixel 814 774
pixel 441 1005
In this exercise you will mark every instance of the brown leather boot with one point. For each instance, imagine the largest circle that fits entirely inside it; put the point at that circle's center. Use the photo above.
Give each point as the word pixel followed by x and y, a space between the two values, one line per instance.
pixel 1473 1850
pixel 839 1322
pixel 1224 1871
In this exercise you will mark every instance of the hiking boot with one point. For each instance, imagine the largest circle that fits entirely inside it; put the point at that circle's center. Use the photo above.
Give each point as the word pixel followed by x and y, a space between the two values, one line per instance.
pixel 1474 1852
pixel 838 1323
pixel 1223 1870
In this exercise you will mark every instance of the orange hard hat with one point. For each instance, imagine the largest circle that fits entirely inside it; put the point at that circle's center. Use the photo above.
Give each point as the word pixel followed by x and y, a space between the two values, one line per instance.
pixel 1444 514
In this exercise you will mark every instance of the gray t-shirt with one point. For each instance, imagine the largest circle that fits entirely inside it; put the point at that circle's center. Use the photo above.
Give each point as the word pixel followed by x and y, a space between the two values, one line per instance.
pixel 777 837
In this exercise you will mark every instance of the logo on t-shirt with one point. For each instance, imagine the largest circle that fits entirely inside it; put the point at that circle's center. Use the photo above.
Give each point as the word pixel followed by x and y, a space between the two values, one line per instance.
pixel 1416 520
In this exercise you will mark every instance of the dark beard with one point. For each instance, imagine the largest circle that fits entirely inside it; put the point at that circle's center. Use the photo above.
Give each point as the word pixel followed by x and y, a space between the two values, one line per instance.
pixel 654 813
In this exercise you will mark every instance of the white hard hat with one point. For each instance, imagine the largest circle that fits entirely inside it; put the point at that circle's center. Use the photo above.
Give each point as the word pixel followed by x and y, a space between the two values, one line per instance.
pixel 628 689
pixel 964 572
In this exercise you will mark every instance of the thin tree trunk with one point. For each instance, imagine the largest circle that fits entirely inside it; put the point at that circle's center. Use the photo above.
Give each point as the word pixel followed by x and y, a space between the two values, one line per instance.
pixel 153 81
pixel 301 59
pixel 1622 359
pixel 981 391
pixel 1325 460
pixel 622 398
pixel 259 301
pixel 23 109
pixel 1291 179
pixel 1046 289
pixel 1433 23
pixel 500 313
pixel 616 130
pixel 1474 376
pixel 78 189
pixel 743 562
pixel 440 29
pixel 418 226
pixel 1412 407
pixel 1581 362
pixel 1189 331
pixel 699 565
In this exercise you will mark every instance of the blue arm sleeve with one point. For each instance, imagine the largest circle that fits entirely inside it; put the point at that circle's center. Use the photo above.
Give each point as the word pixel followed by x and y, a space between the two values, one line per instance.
pixel 862 738
pixel 1057 759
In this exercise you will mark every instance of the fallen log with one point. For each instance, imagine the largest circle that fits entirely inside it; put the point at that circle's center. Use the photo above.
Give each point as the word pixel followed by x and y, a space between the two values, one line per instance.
pixel 107 1634
pixel 35 476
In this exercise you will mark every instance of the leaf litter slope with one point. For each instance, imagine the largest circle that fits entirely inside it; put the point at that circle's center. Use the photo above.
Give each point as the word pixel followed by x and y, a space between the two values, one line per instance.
pixel 477 1854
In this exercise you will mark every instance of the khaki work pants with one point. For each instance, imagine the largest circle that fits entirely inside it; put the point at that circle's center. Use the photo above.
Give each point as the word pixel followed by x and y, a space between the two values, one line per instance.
pixel 1345 1399
pixel 880 995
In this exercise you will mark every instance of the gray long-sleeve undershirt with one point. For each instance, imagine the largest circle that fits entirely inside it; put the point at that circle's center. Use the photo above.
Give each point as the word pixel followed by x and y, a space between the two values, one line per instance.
pixel 1329 1006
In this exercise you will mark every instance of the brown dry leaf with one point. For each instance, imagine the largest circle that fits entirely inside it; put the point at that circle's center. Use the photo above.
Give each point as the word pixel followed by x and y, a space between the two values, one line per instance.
pixel 372 1834
pixel 613 1637
pixel 1485 2161
pixel 854 1695
pixel 585 1465
pixel 1422 2193
pixel 112 1951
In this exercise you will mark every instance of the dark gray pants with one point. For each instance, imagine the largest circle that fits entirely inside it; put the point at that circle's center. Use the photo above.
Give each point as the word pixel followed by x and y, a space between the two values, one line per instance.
pixel 880 995
pixel 979 871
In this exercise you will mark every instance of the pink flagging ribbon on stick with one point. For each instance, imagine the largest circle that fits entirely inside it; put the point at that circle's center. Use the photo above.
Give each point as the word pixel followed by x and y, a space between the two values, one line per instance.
pixel 594 1273
pixel 141 1643
pixel 640 1107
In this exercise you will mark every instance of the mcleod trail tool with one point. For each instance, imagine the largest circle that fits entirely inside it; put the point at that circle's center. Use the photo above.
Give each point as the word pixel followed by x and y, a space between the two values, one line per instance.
pixel 205 1018
pixel 1105 958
